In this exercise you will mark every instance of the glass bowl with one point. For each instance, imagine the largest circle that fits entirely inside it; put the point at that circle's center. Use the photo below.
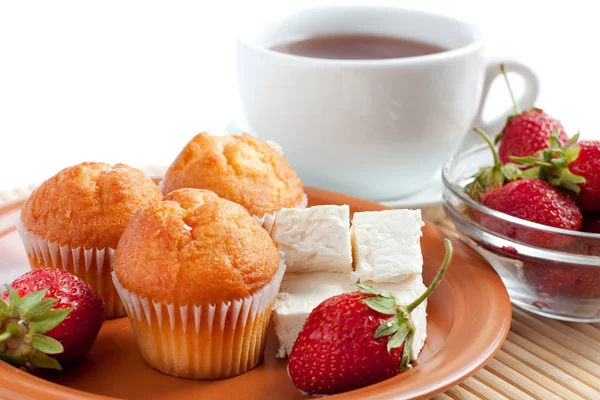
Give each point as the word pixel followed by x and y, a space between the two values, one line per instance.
pixel 548 271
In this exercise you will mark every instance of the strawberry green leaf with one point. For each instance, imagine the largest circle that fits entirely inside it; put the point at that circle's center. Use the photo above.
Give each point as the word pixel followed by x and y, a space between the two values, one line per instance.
pixel 571 142
pixel 14 330
pixel 31 300
pixel 554 142
pixel 559 162
pixel 496 177
pixel 406 353
pixel 572 187
pixel 478 187
pixel 42 308
pixel 49 320
pixel 491 177
pixel 523 160
pixel 551 164
pixel 367 288
pixel 14 361
pixel 13 298
pixel 511 172
pixel 46 344
pixel 486 180
pixel 551 152
pixel 531 173
pixel 387 327
pixel 571 154
pixel 5 336
pixel 372 290
pixel 3 307
pixel 546 157
pixel 398 338
pixel 42 360
pixel 567 180
pixel 383 305
pixel 499 136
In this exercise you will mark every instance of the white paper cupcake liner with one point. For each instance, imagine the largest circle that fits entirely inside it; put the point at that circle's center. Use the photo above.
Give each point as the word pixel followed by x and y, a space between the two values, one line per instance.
pixel 204 341
pixel 267 222
pixel 91 265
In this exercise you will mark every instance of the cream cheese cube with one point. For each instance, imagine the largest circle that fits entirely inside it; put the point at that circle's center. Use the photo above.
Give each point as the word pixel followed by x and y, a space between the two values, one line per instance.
pixel 314 239
pixel 298 296
pixel 301 293
pixel 386 245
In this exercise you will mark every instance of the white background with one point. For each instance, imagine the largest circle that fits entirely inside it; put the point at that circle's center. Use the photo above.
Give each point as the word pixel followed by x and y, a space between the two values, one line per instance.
pixel 125 81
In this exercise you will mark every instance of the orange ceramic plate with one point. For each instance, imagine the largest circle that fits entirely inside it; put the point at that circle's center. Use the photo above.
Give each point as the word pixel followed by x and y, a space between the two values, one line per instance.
pixel 469 317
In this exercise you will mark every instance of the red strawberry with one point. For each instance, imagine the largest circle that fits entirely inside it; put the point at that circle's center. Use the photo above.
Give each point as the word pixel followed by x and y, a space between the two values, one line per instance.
pixel 561 280
pixel 536 201
pixel 355 340
pixel 587 165
pixel 557 280
pixel 502 188
pixel 355 363
pixel 527 132
pixel 48 317
pixel 591 223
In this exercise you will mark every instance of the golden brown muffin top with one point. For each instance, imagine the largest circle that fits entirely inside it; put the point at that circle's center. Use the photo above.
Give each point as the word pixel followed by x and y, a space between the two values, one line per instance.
pixel 195 248
pixel 243 169
pixel 88 204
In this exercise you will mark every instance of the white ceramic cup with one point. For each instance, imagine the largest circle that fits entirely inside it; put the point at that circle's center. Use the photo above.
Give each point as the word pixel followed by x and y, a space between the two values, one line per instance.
pixel 377 129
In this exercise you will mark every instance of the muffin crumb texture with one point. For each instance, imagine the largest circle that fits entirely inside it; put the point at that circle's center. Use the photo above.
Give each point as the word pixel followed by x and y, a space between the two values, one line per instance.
pixel 88 204
pixel 195 248
pixel 243 169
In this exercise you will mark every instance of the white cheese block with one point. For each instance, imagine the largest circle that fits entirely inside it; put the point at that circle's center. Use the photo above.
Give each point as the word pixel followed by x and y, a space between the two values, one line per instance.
pixel 301 293
pixel 314 239
pixel 386 245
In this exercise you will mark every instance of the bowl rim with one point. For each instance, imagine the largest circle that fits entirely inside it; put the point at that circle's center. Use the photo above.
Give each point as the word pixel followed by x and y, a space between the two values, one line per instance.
pixel 450 164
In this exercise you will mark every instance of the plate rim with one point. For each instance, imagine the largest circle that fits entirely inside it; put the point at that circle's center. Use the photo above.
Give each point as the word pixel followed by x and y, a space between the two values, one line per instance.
pixel 30 385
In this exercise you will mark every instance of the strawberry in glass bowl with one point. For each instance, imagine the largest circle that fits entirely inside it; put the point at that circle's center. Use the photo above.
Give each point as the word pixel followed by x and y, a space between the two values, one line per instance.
pixel 535 220
pixel 531 207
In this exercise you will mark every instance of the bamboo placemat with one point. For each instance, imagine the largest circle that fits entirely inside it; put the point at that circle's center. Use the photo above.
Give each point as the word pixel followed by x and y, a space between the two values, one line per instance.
pixel 541 358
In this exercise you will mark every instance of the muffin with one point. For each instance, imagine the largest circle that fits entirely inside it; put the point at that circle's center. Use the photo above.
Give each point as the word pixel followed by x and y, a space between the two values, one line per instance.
pixel 75 219
pixel 198 277
pixel 243 169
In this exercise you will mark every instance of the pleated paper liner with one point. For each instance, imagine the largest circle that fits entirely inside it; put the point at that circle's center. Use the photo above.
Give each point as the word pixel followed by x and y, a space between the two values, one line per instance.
pixel 203 341
pixel 92 265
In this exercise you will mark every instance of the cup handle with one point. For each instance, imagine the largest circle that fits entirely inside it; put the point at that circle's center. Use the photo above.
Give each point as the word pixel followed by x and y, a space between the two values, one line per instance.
pixel 525 101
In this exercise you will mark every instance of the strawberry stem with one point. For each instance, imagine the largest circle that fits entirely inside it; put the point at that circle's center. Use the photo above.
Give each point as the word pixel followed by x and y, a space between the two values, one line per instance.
pixel 436 280
pixel 512 95
pixel 490 145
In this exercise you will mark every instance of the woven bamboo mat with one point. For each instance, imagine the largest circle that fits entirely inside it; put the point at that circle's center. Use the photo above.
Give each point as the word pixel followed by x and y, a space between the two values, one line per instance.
pixel 541 358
